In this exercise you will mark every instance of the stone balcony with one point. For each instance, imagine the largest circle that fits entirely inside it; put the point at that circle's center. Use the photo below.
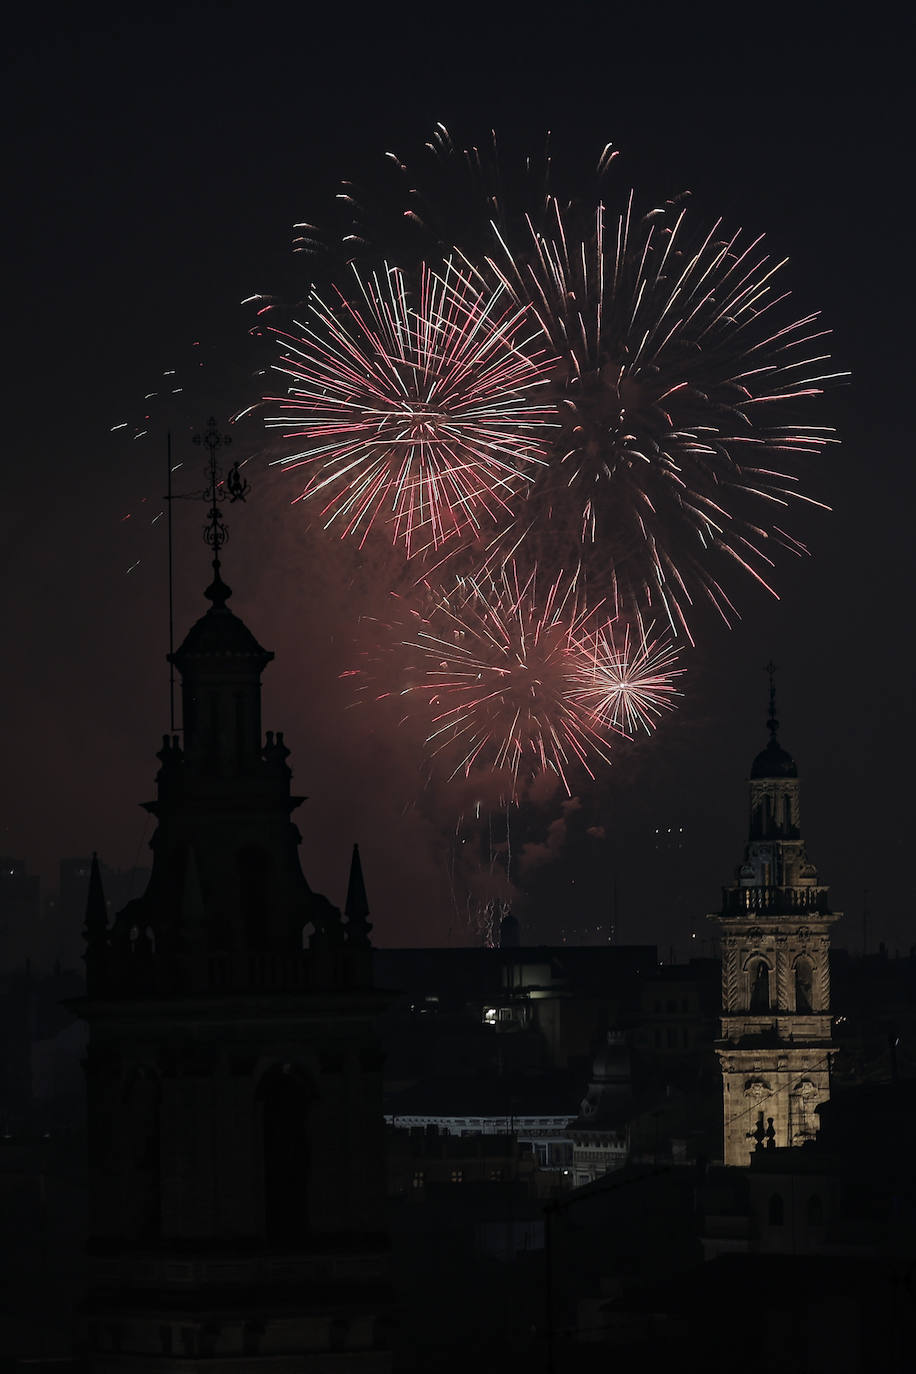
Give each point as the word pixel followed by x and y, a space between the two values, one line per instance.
pixel 775 901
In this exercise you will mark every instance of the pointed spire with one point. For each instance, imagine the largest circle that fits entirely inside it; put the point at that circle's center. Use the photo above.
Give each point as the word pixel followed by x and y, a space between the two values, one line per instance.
pixel 357 901
pixel 772 723
pixel 357 905
pixel 96 924
pixel 773 761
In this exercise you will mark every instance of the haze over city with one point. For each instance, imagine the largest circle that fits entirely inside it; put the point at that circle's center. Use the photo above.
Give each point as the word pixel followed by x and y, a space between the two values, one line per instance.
pixel 161 166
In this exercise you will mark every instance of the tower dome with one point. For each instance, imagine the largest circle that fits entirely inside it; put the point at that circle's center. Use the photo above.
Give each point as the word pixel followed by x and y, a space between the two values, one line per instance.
pixel 219 634
pixel 774 762
pixel 611 1064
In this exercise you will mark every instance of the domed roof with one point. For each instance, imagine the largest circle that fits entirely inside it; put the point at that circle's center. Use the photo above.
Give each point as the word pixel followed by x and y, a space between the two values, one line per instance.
pixel 220 633
pixel 774 762
pixel 612 1062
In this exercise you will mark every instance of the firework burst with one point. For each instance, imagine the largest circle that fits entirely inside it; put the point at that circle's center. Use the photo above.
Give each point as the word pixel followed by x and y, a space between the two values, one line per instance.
pixel 495 667
pixel 626 678
pixel 417 408
pixel 679 385
pixel 684 384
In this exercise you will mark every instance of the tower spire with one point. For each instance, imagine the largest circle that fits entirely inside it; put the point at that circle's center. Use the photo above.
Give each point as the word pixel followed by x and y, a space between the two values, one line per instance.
pixel 233 487
pixel 356 909
pixel 96 926
pixel 772 722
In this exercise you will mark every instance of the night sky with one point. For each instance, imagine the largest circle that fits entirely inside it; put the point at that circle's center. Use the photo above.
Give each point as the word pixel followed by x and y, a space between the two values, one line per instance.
pixel 154 170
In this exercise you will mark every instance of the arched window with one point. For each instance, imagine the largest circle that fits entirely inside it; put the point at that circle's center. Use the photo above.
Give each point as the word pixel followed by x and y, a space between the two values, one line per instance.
pixel 777 1209
pixel 815 1210
pixel 804 984
pixel 285 1099
pixel 759 976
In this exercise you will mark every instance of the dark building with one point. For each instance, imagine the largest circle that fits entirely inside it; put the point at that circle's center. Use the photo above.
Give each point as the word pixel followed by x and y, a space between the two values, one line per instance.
pixel 235 1129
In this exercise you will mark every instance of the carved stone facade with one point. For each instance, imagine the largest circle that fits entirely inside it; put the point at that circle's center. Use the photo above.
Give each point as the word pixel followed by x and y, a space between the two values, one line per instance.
pixel 236 1147
pixel 775 1048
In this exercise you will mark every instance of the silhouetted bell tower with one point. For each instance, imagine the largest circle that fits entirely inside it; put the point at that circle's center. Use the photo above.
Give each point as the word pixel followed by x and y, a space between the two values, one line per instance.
pixel 236 1136
pixel 775 1048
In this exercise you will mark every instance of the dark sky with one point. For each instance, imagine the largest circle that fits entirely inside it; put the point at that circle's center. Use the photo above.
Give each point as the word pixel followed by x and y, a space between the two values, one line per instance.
pixel 154 171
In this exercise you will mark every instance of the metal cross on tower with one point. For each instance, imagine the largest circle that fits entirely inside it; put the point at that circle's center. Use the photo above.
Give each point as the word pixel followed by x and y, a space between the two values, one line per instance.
pixel 232 487
pixel 772 723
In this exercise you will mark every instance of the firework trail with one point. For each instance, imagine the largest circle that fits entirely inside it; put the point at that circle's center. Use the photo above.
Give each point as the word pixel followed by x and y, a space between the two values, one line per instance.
pixel 418 408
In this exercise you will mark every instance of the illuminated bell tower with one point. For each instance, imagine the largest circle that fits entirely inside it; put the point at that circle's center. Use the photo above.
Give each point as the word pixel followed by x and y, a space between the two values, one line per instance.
pixel 775 1048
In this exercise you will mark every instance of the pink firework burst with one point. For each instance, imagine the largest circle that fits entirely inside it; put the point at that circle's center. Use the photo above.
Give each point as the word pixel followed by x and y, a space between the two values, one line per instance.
pixel 626 678
pixel 682 385
pixel 416 403
pixel 497 668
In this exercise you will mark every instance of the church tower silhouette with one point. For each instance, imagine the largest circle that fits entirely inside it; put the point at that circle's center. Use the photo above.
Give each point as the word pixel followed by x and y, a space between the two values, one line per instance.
pixel 236 1135
pixel 775 1049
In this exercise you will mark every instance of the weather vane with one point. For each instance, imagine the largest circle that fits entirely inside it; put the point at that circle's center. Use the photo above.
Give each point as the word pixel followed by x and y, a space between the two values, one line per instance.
pixel 233 487
pixel 230 487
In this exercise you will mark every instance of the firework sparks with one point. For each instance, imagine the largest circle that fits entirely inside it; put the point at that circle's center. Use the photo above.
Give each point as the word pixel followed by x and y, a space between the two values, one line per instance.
pixel 627 679
pixel 421 409
pixel 679 384
pixel 683 382
pixel 497 668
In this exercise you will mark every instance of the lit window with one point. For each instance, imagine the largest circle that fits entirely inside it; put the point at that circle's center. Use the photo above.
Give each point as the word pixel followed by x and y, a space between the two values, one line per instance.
pixel 418 1179
pixel 457 1175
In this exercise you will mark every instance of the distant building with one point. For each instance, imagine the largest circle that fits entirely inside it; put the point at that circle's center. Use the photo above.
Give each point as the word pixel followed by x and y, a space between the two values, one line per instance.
pixel 420 1159
pixel 776 1047
pixel 678 1008
pixel 529 1109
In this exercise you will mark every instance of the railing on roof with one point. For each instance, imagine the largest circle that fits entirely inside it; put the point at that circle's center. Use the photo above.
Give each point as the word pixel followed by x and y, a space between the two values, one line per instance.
pixel 776 901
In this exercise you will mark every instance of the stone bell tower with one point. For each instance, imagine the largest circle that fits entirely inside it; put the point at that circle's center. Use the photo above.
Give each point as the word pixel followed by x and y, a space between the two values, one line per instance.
pixel 236 1148
pixel 775 1048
